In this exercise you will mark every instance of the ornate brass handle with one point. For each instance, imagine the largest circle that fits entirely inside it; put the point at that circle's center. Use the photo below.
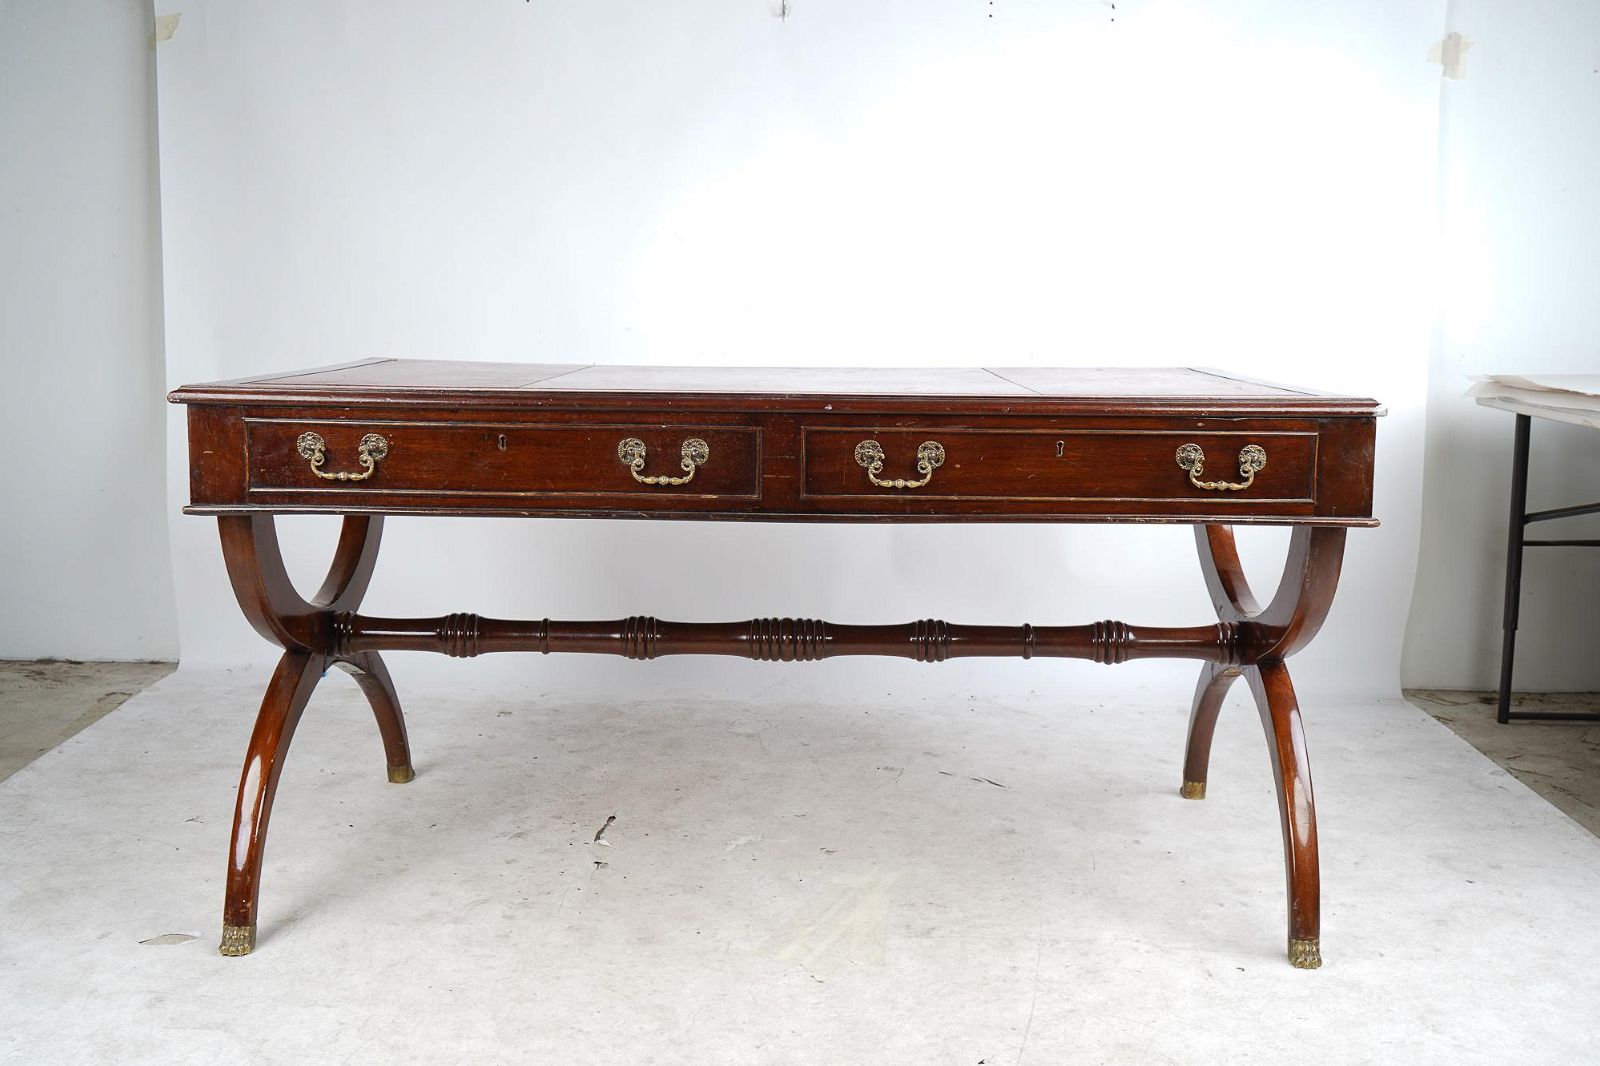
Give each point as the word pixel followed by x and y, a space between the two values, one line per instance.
pixel 694 452
pixel 1252 458
pixel 369 452
pixel 930 456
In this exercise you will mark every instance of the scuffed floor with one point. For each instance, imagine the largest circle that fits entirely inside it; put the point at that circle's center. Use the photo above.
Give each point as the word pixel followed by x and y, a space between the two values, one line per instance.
pixel 1558 760
pixel 784 883
pixel 44 702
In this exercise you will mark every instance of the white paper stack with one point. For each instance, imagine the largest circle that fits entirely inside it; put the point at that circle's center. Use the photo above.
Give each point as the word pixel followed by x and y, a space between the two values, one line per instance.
pixel 1571 398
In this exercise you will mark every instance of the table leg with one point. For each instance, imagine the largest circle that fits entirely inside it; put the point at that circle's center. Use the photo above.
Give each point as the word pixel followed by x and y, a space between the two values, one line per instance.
pixel 1267 637
pixel 305 629
pixel 1514 537
pixel 1297 810
pixel 1215 681
pixel 1248 641
pixel 292 684
pixel 373 677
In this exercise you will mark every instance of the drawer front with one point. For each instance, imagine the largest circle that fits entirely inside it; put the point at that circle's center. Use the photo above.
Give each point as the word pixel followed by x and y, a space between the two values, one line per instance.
pixel 1111 465
pixel 472 459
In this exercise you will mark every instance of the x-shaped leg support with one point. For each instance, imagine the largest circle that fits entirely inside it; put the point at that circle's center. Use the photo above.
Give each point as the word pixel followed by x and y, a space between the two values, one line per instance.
pixel 1269 636
pixel 304 629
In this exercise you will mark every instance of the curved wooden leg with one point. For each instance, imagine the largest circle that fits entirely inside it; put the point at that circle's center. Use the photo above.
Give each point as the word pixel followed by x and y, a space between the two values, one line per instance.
pixel 305 629
pixel 292 683
pixel 1215 681
pixel 353 560
pixel 1225 580
pixel 1291 769
pixel 373 677
pixel 1269 636
pixel 1231 595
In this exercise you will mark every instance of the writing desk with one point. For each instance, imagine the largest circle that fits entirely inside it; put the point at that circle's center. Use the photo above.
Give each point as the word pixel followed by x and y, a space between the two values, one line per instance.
pixel 397 437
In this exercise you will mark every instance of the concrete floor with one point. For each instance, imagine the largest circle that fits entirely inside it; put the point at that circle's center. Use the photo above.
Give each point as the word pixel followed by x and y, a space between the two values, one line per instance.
pixel 789 882
pixel 1558 760
pixel 44 703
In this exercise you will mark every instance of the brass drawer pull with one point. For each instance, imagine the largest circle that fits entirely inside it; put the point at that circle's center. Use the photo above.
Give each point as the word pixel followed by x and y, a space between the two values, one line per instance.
pixel 930 456
pixel 694 451
pixel 1252 458
pixel 369 452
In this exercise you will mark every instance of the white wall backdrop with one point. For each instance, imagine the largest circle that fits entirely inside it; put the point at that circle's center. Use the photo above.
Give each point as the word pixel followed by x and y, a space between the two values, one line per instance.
pixel 1248 183
pixel 1521 282
pixel 84 564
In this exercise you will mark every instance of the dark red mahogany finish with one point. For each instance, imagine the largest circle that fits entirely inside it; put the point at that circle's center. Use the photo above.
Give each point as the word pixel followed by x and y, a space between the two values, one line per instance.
pixel 391 436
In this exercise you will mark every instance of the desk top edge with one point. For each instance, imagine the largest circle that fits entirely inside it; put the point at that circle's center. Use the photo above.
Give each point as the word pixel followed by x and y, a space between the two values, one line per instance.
pixel 1553 410
pixel 797 517
pixel 430 383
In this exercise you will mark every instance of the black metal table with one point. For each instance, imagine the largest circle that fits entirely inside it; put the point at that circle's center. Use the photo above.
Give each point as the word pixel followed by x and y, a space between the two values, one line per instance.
pixel 1517 541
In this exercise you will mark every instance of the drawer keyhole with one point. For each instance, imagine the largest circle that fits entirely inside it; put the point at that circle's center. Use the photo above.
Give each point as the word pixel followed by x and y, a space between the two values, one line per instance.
pixel 502 442
pixel 1061 448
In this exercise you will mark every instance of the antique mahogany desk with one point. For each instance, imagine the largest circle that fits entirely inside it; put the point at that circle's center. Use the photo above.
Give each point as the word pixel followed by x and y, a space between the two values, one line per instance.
pixel 394 437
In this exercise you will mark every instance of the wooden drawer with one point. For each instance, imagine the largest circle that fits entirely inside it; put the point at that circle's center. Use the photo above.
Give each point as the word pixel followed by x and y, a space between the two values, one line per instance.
pixel 486 459
pixel 1125 465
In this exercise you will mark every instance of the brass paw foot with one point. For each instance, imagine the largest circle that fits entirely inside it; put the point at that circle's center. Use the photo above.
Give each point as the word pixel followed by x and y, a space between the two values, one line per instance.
pixel 1305 954
pixel 1193 790
pixel 399 775
pixel 238 939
